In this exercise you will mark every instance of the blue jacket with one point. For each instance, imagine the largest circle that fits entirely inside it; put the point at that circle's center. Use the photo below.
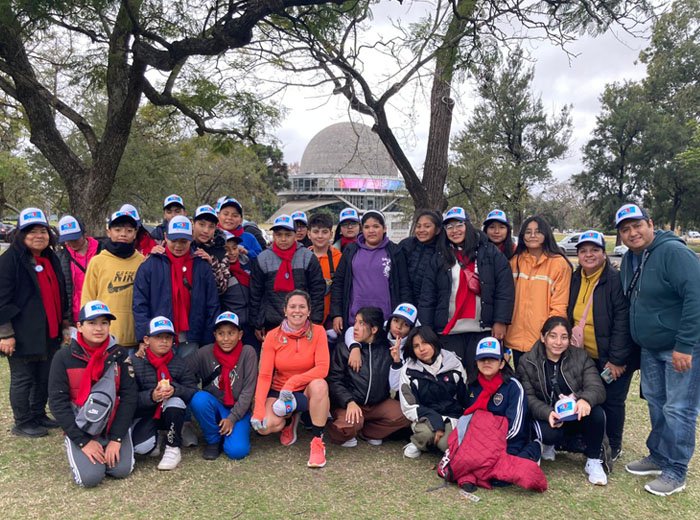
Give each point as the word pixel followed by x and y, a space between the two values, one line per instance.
pixel 153 296
pixel 249 241
pixel 665 303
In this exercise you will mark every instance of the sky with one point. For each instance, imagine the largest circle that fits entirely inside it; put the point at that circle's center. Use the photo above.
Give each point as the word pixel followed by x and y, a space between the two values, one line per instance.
pixel 559 79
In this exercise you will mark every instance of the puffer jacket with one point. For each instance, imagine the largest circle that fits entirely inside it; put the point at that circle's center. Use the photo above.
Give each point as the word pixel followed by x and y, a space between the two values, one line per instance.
pixel 578 369
pixel 434 399
pixel 181 379
pixel 418 260
pixel 370 385
pixel 216 248
pixel 266 304
pixel 497 289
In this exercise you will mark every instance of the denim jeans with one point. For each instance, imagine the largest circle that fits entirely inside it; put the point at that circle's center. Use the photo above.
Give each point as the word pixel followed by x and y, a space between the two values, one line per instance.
pixel 674 401
pixel 209 411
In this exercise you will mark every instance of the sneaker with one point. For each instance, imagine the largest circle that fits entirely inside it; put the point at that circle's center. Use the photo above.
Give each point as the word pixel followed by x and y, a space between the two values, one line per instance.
pixel 189 436
pixel 374 442
pixel 171 458
pixel 411 451
pixel 288 436
pixel 548 452
pixel 317 457
pixel 615 453
pixel 46 421
pixel 596 473
pixel 350 443
pixel 645 466
pixel 29 429
pixel 539 460
pixel 664 486
pixel 211 452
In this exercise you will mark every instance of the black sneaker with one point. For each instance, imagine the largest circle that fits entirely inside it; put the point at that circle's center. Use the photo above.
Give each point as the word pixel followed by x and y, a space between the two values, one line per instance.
pixel 211 452
pixel 469 488
pixel 46 422
pixel 615 453
pixel 29 429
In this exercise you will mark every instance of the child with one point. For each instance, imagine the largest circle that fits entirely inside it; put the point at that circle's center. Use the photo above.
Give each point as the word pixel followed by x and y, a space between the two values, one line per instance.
pixel 433 391
pixel 301 228
pixel 110 276
pixel 320 232
pixel 228 371
pixel 165 386
pixel 498 228
pixel 348 228
pixel 94 361
pixel 237 294
pixel 230 213
pixel 172 207
pixel 209 243
pixel 498 391
pixel 144 241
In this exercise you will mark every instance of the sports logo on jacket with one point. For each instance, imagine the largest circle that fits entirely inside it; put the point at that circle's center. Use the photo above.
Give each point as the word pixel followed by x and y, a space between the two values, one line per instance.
pixel 497 399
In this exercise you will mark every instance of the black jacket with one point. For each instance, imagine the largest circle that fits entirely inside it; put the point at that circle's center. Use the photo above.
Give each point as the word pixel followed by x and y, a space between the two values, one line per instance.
pixel 610 318
pixel 418 257
pixel 67 369
pixel 370 385
pixel 267 305
pixel 21 308
pixel 181 379
pixel 578 369
pixel 497 289
pixel 341 291
pixel 236 299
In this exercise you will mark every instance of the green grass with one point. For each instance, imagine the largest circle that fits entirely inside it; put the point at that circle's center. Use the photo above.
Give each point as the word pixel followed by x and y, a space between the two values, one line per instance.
pixel 274 482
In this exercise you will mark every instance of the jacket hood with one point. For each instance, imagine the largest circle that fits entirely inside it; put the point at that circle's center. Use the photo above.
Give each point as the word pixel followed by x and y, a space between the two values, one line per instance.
pixel 361 243
pixel 661 237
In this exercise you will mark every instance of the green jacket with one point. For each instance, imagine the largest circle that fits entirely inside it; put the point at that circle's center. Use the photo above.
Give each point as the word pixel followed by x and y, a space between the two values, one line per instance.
pixel 665 303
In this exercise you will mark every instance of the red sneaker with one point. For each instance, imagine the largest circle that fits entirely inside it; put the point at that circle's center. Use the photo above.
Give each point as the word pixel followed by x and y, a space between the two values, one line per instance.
pixel 317 457
pixel 288 435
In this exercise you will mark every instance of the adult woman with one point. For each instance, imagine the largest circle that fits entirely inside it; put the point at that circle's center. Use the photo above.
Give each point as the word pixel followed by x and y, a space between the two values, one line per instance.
pixel 597 299
pixel 420 248
pixel 33 310
pixel 467 293
pixel 542 277
pixel 347 230
pixel 553 375
pixel 361 401
pixel 293 366
pixel 498 228
pixel 372 272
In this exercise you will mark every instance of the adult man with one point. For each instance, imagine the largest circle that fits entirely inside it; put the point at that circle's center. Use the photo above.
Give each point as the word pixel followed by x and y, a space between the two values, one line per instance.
pixel 661 277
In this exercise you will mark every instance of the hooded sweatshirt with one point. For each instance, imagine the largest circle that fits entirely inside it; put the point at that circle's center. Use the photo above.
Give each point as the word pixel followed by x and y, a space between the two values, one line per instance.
pixel 665 303
pixel 371 268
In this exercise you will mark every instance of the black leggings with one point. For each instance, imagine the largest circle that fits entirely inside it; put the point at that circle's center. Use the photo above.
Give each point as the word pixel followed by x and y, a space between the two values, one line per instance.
pixel 592 427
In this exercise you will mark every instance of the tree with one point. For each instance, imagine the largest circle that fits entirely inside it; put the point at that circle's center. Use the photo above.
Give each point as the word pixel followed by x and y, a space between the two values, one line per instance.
pixel 615 156
pixel 564 207
pixel 509 141
pixel 338 47
pixel 52 54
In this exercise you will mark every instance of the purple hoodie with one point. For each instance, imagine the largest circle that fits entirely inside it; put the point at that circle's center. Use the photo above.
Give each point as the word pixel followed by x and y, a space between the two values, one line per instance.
pixel 371 268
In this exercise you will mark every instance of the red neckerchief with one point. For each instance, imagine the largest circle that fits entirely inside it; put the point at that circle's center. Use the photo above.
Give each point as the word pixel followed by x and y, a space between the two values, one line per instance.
pixel 228 361
pixel 160 363
pixel 465 300
pixel 181 294
pixel 95 367
pixel 284 281
pixel 488 388
pixel 239 273
pixel 345 241
pixel 236 231
pixel 50 294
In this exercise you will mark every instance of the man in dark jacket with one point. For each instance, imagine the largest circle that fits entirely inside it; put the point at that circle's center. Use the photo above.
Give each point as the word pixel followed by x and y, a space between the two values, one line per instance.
pixel 661 278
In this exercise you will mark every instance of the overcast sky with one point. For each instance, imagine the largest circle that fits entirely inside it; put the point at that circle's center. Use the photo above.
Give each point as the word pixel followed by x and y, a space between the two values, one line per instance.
pixel 559 79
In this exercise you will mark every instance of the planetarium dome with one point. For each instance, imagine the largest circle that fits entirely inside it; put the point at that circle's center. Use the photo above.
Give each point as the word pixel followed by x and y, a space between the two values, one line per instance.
pixel 347 149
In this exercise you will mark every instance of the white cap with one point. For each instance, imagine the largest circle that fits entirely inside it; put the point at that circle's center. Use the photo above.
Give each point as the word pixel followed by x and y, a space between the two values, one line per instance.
pixel 565 409
pixel 128 208
pixel 591 237
pixel 498 215
pixel 68 229
pixel 125 215
pixel 301 216
pixel 349 214
pixel 629 211
pixel 489 348
pixel 179 227
pixel 455 213
pixel 172 199
pixel 30 217
pixel 227 317
pixel 407 312
pixel 206 211
pixel 283 222
pixel 160 324
pixel 94 309
pixel 228 201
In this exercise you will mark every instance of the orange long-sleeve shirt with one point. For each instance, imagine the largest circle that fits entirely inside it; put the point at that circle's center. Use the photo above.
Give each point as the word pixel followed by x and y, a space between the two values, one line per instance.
pixel 290 364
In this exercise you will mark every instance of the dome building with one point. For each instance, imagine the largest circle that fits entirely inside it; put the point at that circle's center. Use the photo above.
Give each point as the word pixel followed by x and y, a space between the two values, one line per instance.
pixel 347 165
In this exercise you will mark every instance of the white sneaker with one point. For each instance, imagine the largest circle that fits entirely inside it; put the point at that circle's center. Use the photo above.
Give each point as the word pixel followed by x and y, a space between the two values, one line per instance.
pixel 548 452
pixel 411 451
pixel 350 443
pixel 374 442
pixel 189 436
pixel 171 458
pixel 596 473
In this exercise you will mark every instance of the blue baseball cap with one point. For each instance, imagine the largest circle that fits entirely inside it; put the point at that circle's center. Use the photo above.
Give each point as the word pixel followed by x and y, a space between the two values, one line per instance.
pixel 283 222
pixel 173 199
pixel 160 324
pixel 94 309
pixel 227 317
pixel 68 229
pixel 31 217
pixel 489 348
pixel 179 227
pixel 349 214
pixel 591 237
pixel 630 211
pixel 206 212
pixel 300 216
pixel 407 312
pixel 229 201
pixel 497 215
pixel 455 213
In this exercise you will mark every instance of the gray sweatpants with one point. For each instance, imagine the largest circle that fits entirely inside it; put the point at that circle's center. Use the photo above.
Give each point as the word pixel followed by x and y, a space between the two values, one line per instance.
pixel 87 474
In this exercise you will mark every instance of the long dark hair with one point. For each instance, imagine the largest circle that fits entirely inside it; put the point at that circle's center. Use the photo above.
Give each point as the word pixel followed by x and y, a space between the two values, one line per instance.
pixel 374 317
pixel 428 335
pixel 17 237
pixel 555 321
pixel 508 246
pixel 445 248
pixel 434 217
pixel 549 246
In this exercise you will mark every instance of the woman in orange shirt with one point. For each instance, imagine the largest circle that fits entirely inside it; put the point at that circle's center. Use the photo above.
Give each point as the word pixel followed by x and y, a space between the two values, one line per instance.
pixel 291 380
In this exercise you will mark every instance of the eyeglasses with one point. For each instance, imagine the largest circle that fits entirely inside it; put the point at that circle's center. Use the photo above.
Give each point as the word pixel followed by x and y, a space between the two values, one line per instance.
pixel 456 225
pixel 530 233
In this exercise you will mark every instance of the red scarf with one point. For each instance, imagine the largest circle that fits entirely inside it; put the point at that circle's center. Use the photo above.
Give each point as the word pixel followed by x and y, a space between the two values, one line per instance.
pixel 284 281
pixel 50 294
pixel 465 300
pixel 488 388
pixel 144 242
pixel 345 241
pixel 227 361
pixel 181 294
pixel 95 367
pixel 239 273
pixel 160 363
pixel 235 232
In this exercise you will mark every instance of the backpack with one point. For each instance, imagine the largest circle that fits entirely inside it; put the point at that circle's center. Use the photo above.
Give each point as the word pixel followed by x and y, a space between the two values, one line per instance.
pixel 93 416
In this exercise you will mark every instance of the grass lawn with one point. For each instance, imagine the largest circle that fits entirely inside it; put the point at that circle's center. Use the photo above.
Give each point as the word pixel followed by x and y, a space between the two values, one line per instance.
pixel 274 482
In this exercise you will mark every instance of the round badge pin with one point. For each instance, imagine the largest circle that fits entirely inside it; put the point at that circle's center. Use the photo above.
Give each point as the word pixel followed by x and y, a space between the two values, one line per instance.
pixel 39 268
pixel 184 269
pixel 286 276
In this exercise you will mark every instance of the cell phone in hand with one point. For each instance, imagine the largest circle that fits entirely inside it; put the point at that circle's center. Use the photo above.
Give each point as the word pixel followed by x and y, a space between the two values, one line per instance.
pixel 606 375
